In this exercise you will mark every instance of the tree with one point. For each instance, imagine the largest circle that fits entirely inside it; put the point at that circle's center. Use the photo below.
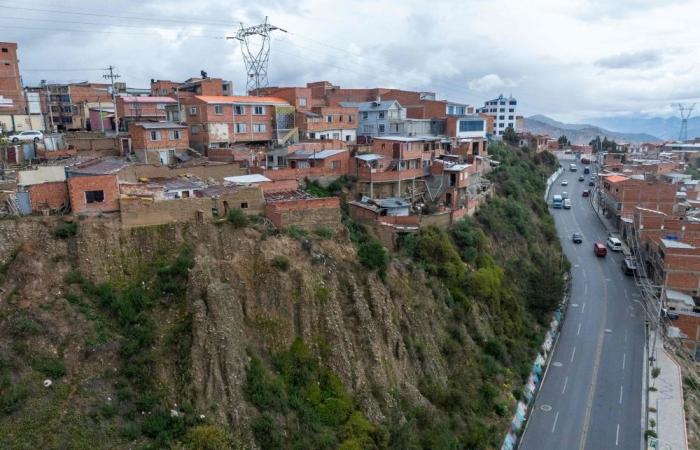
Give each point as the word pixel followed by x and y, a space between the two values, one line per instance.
pixel 510 136
pixel 563 141
pixel 655 372
pixel 596 144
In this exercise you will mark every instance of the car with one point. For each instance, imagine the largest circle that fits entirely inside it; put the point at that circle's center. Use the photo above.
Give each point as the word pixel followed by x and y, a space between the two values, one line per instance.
pixel 565 183
pixel 629 266
pixel 586 193
pixel 581 178
pixel 614 244
pixel 564 195
pixel 599 249
pixel 567 203
pixel 26 136
pixel 591 183
pixel 577 238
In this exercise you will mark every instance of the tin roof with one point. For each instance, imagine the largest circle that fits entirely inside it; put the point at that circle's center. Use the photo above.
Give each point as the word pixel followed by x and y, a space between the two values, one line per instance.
pixel 159 125
pixel 245 179
pixel 306 154
pixel 143 99
pixel 99 167
pixel 241 100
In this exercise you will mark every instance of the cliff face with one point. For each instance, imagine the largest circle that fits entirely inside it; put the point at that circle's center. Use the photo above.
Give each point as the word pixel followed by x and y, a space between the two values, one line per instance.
pixel 383 336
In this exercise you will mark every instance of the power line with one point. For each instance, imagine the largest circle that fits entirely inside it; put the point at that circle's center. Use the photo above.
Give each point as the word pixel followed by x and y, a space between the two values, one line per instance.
pixel 104 32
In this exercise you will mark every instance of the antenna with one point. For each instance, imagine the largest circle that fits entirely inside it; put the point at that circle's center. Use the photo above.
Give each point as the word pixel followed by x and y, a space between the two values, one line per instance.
pixel 686 109
pixel 255 46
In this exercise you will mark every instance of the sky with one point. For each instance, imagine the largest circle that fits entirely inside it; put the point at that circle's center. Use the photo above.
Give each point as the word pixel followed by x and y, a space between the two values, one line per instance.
pixel 571 60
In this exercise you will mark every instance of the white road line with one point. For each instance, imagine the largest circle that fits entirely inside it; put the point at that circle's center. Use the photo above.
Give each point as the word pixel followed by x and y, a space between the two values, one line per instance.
pixel 621 393
pixel 583 309
pixel 579 330
pixel 624 357
pixel 554 426
pixel 617 436
pixel 573 354
pixel 566 380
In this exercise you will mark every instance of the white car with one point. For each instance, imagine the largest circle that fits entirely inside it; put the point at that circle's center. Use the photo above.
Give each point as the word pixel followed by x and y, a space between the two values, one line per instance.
pixel 565 183
pixel 26 136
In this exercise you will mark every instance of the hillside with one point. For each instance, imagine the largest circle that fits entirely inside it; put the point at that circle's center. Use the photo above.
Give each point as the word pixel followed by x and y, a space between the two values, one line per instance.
pixel 666 128
pixel 581 134
pixel 206 336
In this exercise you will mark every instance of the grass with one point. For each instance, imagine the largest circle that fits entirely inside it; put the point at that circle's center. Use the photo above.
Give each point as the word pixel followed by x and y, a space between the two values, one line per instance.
pixel 66 230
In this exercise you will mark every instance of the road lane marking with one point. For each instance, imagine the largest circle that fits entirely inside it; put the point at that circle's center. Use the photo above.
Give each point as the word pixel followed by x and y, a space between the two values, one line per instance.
pixel 573 354
pixel 579 330
pixel 621 386
pixel 624 357
pixel 554 427
pixel 617 436
pixel 566 380
pixel 583 310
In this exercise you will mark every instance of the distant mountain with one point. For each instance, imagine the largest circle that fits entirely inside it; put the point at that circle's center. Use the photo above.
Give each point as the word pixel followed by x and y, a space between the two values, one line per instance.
pixel 667 128
pixel 581 134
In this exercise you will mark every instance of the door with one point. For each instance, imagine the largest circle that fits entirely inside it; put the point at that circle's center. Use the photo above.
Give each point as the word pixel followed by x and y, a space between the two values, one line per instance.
pixel 24 204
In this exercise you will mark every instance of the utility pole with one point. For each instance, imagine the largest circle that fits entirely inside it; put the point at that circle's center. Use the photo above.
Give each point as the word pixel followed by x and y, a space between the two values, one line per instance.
pixel 111 76
pixel 686 110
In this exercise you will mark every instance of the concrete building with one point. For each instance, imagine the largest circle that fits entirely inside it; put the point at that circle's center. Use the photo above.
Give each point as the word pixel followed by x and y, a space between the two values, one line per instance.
pixel 69 104
pixel 379 118
pixel 328 122
pixel 503 110
pixel 12 99
pixel 132 109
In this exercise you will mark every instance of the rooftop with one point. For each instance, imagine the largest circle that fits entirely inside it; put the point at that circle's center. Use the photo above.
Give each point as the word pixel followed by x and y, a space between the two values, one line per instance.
pixel 99 167
pixel 247 179
pixel 616 178
pixel 457 167
pixel 408 138
pixel 159 125
pixel 307 154
pixel 369 157
pixel 668 243
pixel 241 100
pixel 392 202
pixel 679 297
pixel 142 99
pixel 371 106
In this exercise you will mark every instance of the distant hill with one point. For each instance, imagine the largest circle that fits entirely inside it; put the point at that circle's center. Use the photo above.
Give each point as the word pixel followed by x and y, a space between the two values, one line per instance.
pixel 666 128
pixel 581 134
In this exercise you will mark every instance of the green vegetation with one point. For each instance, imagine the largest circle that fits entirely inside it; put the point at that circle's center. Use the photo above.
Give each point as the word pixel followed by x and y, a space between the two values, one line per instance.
pixel 237 218
pixel 510 136
pixel 66 230
pixel 304 405
pixel 280 262
pixel 372 255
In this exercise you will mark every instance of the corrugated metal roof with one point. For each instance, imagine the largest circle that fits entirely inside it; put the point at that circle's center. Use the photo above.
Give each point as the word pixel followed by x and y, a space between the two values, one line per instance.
pixel 42 174
pixel 245 179
pixel 370 106
pixel 369 157
pixel 241 100
pixel 140 99
pixel 306 154
pixel 159 125
pixel 616 178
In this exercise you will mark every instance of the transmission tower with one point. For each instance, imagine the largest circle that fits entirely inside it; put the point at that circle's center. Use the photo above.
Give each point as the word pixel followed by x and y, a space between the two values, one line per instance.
pixel 686 110
pixel 255 46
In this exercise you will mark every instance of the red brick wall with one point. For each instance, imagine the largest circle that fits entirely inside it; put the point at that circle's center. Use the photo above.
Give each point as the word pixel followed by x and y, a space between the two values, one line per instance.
pixel 271 187
pixel 310 213
pixel 690 326
pixel 141 138
pixel 10 81
pixel 77 186
pixel 51 195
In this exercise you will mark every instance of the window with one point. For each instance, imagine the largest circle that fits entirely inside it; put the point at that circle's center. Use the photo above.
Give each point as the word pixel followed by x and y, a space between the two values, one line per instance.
pixel 259 110
pixel 336 135
pixel 244 205
pixel 335 164
pixel 54 108
pixel 67 109
pixel 194 129
pixel 381 114
pixel 94 196
pixel 193 110
pixel 240 128
pixel 367 129
pixel 350 118
pixel 175 135
pixel 347 137
pixel 239 109
pixel 4 50
pixel 160 106
pixel 501 110
pixel 512 102
pixel 364 115
pixel 511 110
pixel 501 125
pixel 67 119
pixel 259 128
pixel 302 101
pixel 501 117
pixel 381 128
pixel 510 117
pixel 155 135
pixel 340 118
pixel 218 110
pixel 329 118
pixel 471 125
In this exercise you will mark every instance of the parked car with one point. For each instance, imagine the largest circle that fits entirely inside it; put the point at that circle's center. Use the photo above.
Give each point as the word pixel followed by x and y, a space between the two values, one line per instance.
pixel 629 266
pixel 26 136
pixel 614 244
pixel 599 249
pixel 581 178
pixel 577 238
pixel 565 182
pixel 586 193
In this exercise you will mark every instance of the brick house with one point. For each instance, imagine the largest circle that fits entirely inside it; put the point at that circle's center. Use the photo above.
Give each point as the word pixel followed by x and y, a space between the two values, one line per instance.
pixel 93 187
pixel 163 142
pixel 140 109
pixel 221 121
pixel 328 122
pixel 44 188
pixel 191 86
pixel 620 195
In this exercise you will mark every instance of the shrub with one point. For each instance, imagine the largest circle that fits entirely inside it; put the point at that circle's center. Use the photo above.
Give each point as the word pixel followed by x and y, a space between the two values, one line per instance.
pixel 66 230
pixel 296 232
pixel 237 218
pixel 324 232
pixel 208 437
pixel 280 262
pixel 12 397
pixel 321 293
pixel 73 277
pixel 373 255
pixel 51 367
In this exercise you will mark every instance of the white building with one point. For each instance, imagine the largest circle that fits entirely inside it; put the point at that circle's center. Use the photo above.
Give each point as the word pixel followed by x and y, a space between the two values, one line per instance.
pixel 503 111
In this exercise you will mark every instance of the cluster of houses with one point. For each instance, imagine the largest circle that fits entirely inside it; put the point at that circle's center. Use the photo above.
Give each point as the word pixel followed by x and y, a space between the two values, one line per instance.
pixel 406 158
pixel 655 205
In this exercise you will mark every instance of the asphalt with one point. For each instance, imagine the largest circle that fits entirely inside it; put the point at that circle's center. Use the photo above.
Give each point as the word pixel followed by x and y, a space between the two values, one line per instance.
pixel 591 397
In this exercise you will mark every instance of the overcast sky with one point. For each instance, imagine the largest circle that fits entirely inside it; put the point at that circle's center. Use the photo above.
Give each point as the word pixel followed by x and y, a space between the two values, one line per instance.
pixel 569 59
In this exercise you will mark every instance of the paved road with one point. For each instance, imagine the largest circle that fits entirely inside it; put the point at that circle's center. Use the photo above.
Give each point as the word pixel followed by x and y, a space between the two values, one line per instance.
pixel 591 397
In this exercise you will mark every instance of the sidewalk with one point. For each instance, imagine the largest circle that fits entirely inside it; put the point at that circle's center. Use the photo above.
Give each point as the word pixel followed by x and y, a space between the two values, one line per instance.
pixel 668 401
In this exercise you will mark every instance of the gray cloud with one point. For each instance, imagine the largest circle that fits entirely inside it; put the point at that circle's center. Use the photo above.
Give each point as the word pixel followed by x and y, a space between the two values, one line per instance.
pixel 644 58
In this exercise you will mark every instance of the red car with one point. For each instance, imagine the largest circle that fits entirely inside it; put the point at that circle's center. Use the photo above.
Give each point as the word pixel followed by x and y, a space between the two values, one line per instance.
pixel 586 193
pixel 599 249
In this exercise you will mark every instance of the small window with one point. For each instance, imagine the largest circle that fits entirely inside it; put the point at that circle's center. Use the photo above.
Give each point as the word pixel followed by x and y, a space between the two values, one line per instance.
pixel 240 128
pixel 4 50
pixel 259 128
pixel 259 110
pixel 381 128
pixel 335 164
pixel 193 110
pixel 94 196
pixel 160 106
pixel 350 118
pixel 364 115
pixel 239 109
pixel 244 205
pixel 218 109
pixel 155 135
pixel 340 118
pixel 381 114
pixel 302 101
pixel 175 135
pixel 329 119
pixel 194 129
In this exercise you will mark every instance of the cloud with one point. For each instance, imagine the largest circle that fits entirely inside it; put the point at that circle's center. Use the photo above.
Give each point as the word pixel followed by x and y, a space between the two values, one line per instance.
pixel 489 82
pixel 644 58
